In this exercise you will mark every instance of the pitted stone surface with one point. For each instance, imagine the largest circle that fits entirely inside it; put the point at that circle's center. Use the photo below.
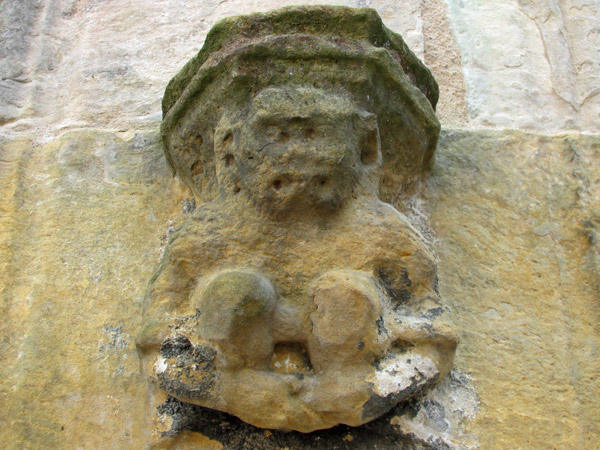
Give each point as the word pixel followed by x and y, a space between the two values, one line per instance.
pixel 316 300
pixel 85 216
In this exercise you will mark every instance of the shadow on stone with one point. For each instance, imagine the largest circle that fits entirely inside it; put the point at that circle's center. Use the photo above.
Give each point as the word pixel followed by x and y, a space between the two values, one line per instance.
pixel 232 433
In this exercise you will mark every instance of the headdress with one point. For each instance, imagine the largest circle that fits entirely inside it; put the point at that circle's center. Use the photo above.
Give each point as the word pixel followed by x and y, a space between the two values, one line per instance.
pixel 341 49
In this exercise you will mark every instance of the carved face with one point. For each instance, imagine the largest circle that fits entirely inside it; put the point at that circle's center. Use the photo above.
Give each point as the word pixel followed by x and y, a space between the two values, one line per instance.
pixel 297 151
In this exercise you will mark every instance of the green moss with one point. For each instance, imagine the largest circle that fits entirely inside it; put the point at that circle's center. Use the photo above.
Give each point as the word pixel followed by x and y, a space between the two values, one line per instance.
pixel 340 49
pixel 340 23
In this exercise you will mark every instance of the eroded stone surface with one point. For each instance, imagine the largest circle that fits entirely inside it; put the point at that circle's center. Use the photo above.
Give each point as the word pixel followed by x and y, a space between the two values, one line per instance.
pixel 530 64
pixel 82 223
pixel 62 334
pixel 71 64
pixel 295 298
pixel 85 216
pixel 440 418
pixel 519 235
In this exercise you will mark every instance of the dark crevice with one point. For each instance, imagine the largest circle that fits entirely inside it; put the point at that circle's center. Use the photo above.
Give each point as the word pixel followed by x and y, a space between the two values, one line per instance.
pixel 235 434
pixel 396 288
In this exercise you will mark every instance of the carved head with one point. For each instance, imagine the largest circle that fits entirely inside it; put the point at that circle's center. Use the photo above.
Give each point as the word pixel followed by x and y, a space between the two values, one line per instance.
pixel 330 63
pixel 297 150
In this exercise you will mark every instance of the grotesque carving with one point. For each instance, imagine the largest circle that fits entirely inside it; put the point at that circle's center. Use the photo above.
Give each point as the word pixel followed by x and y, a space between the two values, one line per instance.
pixel 295 297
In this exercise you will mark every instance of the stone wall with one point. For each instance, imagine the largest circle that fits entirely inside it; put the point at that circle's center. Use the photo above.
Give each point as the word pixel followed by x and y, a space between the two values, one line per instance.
pixel 511 207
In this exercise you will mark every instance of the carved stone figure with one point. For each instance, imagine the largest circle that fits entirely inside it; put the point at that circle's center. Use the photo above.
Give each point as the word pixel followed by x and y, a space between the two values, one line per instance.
pixel 296 296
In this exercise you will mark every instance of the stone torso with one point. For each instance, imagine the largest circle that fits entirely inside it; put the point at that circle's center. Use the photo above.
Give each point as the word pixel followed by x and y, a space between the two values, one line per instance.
pixel 369 236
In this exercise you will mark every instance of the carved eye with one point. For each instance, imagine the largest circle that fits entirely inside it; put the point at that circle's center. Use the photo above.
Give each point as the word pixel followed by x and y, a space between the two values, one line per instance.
pixel 369 148
pixel 309 133
pixel 227 139
pixel 283 137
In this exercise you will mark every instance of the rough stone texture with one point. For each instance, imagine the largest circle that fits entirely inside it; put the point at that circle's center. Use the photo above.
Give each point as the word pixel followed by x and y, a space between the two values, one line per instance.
pixel 516 217
pixel 531 64
pixel 74 63
pixel 82 220
pixel 518 264
pixel 441 55
pixel 439 419
pixel 514 244
pixel 67 64
pixel 294 298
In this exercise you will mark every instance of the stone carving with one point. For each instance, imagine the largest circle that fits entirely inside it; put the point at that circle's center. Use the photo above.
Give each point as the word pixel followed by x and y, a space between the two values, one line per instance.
pixel 296 297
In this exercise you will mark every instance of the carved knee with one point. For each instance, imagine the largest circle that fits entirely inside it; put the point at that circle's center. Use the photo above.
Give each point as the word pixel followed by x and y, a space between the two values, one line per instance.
pixel 347 305
pixel 235 309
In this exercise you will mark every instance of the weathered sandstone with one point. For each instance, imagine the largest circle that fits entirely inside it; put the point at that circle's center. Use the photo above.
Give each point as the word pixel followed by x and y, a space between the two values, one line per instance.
pixel 88 204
